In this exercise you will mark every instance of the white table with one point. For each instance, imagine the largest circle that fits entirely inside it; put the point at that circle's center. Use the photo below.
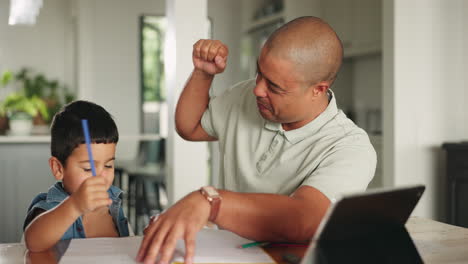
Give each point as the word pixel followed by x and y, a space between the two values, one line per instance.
pixel 436 242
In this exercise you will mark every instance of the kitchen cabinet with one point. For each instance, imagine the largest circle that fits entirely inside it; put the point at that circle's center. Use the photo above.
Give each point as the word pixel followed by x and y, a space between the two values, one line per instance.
pixel 457 183
pixel 357 22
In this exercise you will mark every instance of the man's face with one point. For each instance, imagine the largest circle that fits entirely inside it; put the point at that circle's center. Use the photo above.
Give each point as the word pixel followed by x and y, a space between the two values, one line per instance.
pixel 78 167
pixel 280 96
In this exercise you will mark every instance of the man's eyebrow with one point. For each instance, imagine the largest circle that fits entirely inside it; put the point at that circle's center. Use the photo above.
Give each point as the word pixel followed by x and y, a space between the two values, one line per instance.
pixel 268 80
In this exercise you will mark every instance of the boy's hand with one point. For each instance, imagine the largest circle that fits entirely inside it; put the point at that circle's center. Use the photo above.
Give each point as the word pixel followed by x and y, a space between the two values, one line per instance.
pixel 91 195
pixel 210 56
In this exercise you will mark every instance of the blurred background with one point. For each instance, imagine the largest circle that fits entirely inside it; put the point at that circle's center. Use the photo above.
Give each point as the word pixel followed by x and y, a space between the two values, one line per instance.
pixel 403 80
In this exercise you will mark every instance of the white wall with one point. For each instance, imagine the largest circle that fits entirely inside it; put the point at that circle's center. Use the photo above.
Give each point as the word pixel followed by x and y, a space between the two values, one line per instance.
pixel 425 102
pixel 343 86
pixel 225 16
pixel 226 20
pixel 187 161
pixel 367 86
pixel 42 47
pixel 109 59
pixel 359 86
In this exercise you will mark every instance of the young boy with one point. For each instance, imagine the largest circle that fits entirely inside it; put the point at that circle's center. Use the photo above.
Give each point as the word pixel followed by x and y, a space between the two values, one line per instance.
pixel 78 205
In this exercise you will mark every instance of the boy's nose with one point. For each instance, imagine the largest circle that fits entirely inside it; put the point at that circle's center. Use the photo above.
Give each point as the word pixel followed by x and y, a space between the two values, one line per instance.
pixel 100 171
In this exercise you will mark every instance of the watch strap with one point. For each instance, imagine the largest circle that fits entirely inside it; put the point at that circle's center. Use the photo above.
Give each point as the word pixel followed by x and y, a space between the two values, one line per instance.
pixel 213 197
pixel 215 205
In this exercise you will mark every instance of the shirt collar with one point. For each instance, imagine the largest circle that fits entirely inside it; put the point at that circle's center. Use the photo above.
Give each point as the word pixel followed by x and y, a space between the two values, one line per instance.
pixel 114 192
pixel 57 193
pixel 296 135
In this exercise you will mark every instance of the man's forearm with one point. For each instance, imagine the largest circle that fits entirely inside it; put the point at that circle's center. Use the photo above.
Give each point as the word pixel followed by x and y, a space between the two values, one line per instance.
pixel 271 217
pixel 192 103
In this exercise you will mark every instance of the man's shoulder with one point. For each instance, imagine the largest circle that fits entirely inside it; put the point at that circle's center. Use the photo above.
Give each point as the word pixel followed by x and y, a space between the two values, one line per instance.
pixel 238 89
pixel 346 130
pixel 235 98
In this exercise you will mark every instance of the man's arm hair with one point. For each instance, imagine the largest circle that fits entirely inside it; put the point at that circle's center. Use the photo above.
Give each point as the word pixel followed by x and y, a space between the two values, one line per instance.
pixel 209 58
pixel 192 103
pixel 273 217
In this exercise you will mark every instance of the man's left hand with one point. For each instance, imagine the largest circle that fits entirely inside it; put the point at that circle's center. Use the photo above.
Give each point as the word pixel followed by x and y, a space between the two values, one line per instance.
pixel 181 221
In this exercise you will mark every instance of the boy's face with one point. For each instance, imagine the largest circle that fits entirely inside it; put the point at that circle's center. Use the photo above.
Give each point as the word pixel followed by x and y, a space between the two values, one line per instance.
pixel 78 167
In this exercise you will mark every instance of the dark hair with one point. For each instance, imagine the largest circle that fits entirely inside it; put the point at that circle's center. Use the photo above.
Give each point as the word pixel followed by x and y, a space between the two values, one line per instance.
pixel 67 132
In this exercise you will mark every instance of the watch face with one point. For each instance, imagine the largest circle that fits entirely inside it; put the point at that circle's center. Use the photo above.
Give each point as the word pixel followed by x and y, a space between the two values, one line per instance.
pixel 210 191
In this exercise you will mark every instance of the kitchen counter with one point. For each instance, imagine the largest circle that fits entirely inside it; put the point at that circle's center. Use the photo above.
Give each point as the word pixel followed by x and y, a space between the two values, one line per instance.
pixel 46 138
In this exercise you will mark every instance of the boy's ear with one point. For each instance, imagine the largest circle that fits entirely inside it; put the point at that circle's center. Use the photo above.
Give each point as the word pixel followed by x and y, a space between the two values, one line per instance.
pixel 56 167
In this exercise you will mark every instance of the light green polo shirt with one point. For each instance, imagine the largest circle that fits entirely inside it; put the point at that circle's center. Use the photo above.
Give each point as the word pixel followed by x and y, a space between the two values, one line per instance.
pixel 329 153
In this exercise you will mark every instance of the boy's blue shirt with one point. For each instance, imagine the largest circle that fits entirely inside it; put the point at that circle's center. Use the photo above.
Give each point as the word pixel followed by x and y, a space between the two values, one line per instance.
pixel 56 194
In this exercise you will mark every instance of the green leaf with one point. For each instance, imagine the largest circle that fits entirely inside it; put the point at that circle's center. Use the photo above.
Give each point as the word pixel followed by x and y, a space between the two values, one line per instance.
pixel 38 94
pixel 16 102
pixel 7 76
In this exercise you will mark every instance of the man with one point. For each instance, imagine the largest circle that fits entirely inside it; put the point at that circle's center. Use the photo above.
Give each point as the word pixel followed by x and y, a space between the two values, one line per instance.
pixel 286 150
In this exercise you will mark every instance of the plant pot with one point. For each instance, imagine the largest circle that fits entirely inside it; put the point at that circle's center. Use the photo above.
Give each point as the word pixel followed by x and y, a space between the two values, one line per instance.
pixel 38 120
pixel 3 125
pixel 20 124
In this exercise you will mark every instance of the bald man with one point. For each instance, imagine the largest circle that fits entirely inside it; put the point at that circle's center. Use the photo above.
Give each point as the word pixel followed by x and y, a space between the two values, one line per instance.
pixel 286 150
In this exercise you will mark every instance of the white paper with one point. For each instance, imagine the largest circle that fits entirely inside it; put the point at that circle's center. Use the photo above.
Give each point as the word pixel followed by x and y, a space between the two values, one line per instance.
pixel 102 250
pixel 220 246
pixel 212 246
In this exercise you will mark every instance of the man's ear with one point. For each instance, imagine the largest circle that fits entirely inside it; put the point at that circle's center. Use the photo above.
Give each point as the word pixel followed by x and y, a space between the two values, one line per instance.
pixel 56 167
pixel 321 88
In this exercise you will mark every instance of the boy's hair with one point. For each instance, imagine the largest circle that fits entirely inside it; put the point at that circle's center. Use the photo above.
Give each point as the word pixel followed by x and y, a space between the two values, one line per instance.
pixel 67 132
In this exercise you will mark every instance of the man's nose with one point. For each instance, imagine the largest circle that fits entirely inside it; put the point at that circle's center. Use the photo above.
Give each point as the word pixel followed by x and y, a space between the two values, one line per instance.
pixel 260 89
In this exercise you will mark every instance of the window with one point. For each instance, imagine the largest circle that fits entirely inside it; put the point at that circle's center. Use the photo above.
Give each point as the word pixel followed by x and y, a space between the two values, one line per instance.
pixel 153 90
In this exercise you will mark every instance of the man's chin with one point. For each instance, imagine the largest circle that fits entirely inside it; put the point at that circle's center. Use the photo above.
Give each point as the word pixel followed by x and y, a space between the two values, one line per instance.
pixel 267 116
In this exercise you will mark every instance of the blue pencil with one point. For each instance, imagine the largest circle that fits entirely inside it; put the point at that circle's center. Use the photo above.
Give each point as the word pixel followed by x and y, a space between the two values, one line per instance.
pixel 84 123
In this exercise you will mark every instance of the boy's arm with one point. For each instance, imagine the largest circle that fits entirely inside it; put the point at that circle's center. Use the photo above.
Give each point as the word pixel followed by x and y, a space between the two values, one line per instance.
pixel 32 215
pixel 209 58
pixel 47 229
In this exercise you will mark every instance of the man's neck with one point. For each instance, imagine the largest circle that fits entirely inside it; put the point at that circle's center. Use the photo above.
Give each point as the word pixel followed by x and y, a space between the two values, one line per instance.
pixel 321 107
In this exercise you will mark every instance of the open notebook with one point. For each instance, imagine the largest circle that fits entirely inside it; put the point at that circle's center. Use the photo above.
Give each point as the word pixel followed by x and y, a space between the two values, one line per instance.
pixel 212 246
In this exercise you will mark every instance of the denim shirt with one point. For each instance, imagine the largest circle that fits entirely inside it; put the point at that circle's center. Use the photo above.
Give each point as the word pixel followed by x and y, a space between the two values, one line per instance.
pixel 56 194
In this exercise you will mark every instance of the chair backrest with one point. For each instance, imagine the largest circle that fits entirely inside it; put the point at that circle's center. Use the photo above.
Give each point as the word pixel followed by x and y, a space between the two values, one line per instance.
pixel 151 152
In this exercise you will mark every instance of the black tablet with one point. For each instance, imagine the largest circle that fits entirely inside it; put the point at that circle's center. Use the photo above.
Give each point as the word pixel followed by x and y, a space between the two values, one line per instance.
pixel 367 227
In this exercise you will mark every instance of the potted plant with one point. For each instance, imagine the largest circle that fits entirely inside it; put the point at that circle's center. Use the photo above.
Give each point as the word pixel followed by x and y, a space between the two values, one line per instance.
pixel 3 121
pixel 4 80
pixel 32 103
pixel 38 99
pixel 21 110
pixel 51 91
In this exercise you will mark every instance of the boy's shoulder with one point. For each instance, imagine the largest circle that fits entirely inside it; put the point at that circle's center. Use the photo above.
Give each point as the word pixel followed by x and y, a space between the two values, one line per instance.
pixel 40 198
pixel 46 201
